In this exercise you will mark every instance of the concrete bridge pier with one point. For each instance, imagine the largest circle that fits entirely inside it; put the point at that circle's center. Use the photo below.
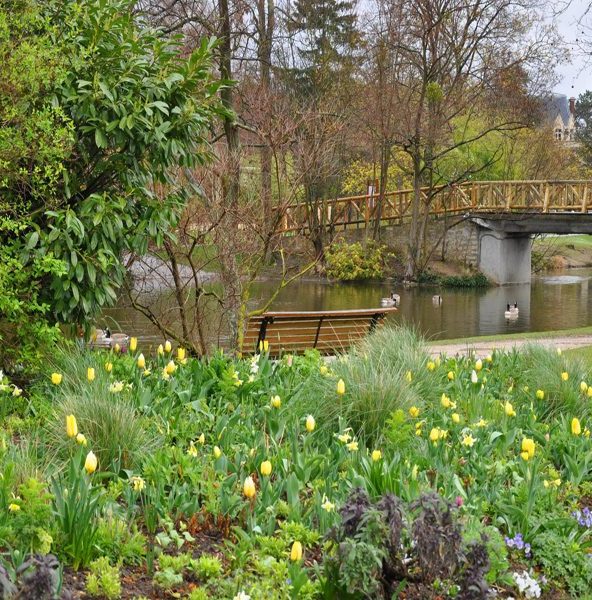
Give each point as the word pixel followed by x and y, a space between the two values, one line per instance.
pixel 505 258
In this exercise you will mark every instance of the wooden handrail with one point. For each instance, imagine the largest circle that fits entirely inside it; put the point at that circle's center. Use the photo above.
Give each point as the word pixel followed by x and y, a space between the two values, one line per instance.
pixel 533 195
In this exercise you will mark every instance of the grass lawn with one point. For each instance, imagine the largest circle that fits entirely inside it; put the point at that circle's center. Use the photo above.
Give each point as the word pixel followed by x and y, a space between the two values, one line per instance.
pixel 534 335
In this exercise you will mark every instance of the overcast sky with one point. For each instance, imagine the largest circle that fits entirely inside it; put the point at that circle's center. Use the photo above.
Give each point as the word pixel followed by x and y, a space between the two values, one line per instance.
pixel 575 77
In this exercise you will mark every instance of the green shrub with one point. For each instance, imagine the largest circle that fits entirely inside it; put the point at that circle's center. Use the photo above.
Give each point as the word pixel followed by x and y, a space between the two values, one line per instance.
pixel 465 281
pixel 355 262
pixel 207 567
pixel 120 541
pixel 103 580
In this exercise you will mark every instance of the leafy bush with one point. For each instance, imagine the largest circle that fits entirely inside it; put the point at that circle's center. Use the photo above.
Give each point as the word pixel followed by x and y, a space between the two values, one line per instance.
pixel 103 580
pixel 355 262
pixel 465 281
pixel 375 548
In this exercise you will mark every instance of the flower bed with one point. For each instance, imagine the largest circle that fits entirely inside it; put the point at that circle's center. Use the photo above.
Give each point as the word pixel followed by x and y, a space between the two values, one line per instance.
pixel 379 473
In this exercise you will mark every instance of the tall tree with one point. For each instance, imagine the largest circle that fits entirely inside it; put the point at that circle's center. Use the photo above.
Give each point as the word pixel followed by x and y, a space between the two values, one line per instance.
pixel 449 54
pixel 584 126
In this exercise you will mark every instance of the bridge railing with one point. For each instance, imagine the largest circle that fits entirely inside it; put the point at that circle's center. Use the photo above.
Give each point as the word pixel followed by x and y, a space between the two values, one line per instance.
pixel 476 196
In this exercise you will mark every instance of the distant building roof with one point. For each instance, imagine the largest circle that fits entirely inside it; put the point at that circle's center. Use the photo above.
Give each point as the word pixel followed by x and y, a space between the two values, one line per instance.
pixel 558 104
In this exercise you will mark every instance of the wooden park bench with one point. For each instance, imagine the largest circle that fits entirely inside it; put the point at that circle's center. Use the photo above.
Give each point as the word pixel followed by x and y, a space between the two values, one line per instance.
pixel 327 331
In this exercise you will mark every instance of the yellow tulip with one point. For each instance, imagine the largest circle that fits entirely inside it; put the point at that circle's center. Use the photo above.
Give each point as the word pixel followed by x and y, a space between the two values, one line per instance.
pixel 265 346
pixel 56 378
pixel 583 387
pixel 117 348
pixel 71 426
pixel 137 483
pixel 141 362
pixel 296 552
pixel 376 455
pixel 450 375
pixel 528 446
pixel 266 468
pixel 409 376
pixel 168 347
pixel 249 489
pixel 509 410
pixel 13 507
pixel 589 391
pixel 180 354
pixel 217 452
pixel 540 395
pixel 323 369
pixel 108 367
pixel 160 349
pixel 133 344
pixel 478 365
pixel 414 412
pixel 90 374
pixel 310 423
pixel 276 401
pixel 564 376
pixel 455 418
pixel 171 367
pixel 81 439
pixel 431 365
pixel 576 427
pixel 525 455
pixel 559 351
pixel 202 439
pixel 90 464
pixel 435 434
pixel 341 387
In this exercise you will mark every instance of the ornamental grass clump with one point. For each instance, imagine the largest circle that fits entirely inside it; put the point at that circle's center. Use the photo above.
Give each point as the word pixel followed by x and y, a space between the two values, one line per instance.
pixel 365 387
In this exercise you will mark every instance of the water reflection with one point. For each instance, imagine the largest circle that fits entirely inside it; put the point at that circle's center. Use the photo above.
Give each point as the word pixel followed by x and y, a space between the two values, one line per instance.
pixel 556 301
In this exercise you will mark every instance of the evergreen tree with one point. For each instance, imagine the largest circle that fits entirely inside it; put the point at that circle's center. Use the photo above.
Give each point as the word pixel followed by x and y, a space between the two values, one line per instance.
pixel 584 126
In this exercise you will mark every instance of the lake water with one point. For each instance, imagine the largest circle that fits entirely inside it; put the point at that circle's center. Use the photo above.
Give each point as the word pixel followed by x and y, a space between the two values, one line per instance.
pixel 552 301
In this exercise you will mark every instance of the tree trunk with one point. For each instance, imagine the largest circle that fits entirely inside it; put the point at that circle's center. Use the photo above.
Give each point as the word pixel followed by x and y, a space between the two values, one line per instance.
pixel 413 244
pixel 231 181
pixel 266 14
pixel 385 158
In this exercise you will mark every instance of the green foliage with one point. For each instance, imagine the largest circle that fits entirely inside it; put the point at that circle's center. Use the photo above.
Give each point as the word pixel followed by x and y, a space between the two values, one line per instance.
pixel 355 262
pixel 584 126
pixel 465 281
pixel 76 506
pixel 97 110
pixel 564 562
pixel 167 579
pixel 207 567
pixel 103 580
pixel 120 541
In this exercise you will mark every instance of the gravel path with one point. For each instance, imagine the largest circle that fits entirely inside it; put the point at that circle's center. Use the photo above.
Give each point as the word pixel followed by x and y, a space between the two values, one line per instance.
pixel 484 348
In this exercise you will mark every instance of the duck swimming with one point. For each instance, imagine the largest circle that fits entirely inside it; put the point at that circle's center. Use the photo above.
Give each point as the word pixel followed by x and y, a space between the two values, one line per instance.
pixel 392 300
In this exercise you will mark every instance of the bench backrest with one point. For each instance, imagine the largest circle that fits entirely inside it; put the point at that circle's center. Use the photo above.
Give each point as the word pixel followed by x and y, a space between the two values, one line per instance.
pixel 327 331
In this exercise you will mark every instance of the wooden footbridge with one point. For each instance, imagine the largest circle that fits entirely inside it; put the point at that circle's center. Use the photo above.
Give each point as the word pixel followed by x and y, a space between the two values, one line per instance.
pixel 474 197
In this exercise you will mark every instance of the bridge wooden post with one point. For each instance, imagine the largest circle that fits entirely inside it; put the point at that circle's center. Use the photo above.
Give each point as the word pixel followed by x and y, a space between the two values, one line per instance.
pixel 585 199
pixel 546 199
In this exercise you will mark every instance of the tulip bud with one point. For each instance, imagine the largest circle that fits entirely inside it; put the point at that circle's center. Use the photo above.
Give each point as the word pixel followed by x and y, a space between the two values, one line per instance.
pixel 81 439
pixel 376 455
pixel 108 367
pixel 276 401
pixel 341 387
pixel 56 378
pixel 168 347
pixel 90 374
pixel 141 362
pixel 576 427
pixel 180 354
pixel 217 452
pixel 71 426
pixel 133 344
pixel 478 365
pixel 266 468
pixel 117 348
pixel 310 423
pixel 296 552
pixel 160 349
pixel 450 375
pixel 90 464
pixel 249 489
